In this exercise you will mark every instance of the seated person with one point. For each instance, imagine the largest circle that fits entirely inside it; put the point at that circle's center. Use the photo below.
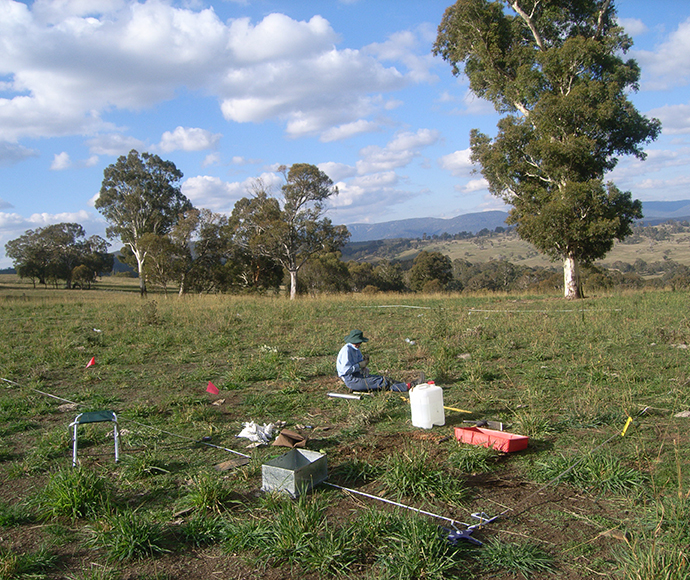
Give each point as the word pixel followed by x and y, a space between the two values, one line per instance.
pixel 352 367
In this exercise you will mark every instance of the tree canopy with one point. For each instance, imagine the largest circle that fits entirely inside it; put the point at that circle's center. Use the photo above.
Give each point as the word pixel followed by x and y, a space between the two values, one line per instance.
pixel 291 229
pixel 141 195
pixel 53 253
pixel 430 270
pixel 556 71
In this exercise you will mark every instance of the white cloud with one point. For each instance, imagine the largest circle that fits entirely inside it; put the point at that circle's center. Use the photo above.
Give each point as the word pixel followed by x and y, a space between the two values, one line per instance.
pixel 212 193
pixel 114 144
pixel 476 185
pixel 239 160
pixel 278 37
pixel 188 139
pixel 44 219
pixel 657 160
pixel 67 67
pixel 61 161
pixel 398 153
pixel 11 153
pixel 675 119
pixel 405 47
pixel 458 163
pixel 211 159
pixel 491 202
pixel 310 95
pixel 10 222
pixel 633 26
pixel 367 199
pixel 668 65
pixel 337 171
pixel 664 184
pixel 5 204
pixel 14 223
pixel 54 11
pixel 348 130
pixel 217 195
pixel 69 62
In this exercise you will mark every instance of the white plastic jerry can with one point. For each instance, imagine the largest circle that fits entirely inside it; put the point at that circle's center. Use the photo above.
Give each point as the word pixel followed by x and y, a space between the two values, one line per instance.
pixel 426 404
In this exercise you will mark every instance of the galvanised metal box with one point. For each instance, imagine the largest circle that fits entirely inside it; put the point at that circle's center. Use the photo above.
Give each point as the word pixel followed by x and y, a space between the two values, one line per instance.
pixel 295 472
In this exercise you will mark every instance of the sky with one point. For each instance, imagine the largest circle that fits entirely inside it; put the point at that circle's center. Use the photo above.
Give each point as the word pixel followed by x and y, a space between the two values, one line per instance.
pixel 229 90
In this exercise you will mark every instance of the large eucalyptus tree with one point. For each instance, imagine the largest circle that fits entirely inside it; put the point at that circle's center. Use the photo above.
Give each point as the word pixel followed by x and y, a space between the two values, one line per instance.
pixel 141 195
pixel 555 69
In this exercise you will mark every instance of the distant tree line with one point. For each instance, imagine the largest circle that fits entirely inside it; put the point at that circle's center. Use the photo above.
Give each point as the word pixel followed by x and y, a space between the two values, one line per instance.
pixel 213 263
pixel 60 252
pixel 171 243
pixel 270 237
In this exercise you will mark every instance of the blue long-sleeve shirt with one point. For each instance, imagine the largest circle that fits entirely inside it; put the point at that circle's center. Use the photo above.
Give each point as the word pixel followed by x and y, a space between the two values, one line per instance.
pixel 348 360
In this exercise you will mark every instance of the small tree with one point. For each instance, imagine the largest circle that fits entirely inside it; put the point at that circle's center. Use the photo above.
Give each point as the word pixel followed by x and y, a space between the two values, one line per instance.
pixel 292 229
pixel 430 267
pixel 141 195
pixel 555 70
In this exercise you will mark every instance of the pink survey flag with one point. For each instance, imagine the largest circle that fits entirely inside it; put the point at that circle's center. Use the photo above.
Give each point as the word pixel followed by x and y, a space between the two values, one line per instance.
pixel 91 362
pixel 212 388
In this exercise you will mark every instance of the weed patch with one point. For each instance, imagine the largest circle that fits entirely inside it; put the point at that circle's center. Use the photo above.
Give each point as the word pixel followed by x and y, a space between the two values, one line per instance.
pixel 74 493
pixel 29 565
pixel 128 535
pixel 525 558
pixel 412 474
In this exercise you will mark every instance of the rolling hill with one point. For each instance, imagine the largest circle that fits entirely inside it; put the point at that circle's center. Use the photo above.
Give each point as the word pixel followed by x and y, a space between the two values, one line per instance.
pixel 654 212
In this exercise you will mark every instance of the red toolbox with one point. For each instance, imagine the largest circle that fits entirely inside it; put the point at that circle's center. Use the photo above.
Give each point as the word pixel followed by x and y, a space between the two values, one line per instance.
pixel 499 440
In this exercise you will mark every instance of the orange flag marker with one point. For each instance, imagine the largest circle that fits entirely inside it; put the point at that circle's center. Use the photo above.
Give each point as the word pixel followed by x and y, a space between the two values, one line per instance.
pixel 91 362
pixel 212 388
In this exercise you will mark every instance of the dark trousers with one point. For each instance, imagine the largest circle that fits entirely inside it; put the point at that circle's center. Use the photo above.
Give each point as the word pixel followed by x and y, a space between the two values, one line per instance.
pixel 359 382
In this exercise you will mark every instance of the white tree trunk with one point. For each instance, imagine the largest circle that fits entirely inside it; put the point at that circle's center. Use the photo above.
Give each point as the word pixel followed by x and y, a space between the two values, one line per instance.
pixel 293 284
pixel 571 278
pixel 140 267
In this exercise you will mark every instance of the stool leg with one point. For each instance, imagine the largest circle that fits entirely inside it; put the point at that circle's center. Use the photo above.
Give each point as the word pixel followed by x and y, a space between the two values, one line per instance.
pixel 74 446
pixel 116 436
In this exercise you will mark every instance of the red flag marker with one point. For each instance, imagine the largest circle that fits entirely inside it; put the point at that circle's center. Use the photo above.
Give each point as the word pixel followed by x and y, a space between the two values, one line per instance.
pixel 91 362
pixel 212 388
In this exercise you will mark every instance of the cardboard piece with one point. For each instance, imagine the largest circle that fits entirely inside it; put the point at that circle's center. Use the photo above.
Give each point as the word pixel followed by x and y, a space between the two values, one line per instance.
pixel 232 463
pixel 292 439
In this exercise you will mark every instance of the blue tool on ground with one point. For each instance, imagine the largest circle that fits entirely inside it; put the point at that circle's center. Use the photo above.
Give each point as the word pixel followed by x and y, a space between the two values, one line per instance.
pixel 454 535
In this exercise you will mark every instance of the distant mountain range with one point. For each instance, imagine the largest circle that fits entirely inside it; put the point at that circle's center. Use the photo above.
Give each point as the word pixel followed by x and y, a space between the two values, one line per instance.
pixel 655 212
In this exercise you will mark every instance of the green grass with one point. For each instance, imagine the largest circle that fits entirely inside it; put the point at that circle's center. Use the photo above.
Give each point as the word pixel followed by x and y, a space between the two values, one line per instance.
pixel 602 472
pixel 34 564
pixel 565 374
pixel 524 558
pixel 474 459
pixel 412 474
pixel 128 535
pixel 208 492
pixel 74 493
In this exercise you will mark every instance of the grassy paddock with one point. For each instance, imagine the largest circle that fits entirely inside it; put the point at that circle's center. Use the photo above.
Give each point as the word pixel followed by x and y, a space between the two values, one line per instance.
pixel 566 374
